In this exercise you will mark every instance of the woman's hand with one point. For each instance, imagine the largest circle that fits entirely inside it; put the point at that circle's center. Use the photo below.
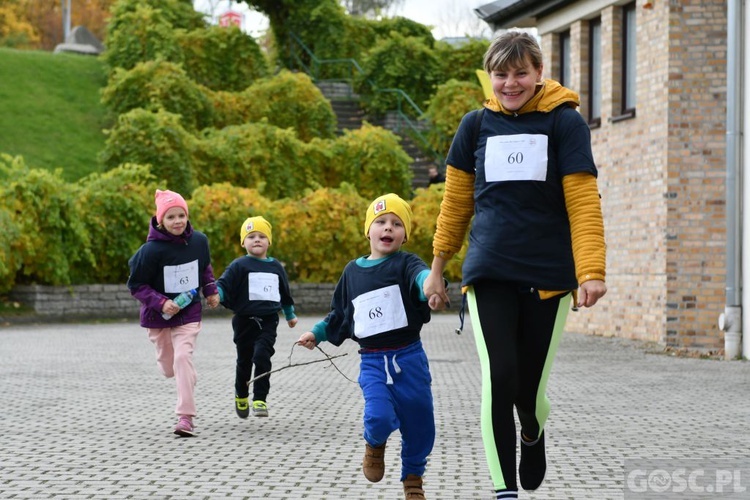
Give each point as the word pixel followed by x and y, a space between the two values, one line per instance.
pixel 590 292
pixel 434 286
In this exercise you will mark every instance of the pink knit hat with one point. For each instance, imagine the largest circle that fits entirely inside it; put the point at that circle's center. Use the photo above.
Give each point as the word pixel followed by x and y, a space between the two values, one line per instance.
pixel 166 200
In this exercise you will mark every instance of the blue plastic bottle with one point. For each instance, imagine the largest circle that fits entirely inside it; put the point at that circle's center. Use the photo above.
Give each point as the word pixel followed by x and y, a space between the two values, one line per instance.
pixel 182 300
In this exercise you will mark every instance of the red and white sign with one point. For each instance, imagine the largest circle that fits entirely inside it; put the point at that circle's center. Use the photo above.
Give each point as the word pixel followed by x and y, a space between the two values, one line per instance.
pixel 230 18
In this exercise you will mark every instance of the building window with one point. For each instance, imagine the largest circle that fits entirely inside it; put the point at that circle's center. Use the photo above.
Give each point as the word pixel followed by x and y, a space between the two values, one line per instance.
pixel 565 58
pixel 595 72
pixel 628 60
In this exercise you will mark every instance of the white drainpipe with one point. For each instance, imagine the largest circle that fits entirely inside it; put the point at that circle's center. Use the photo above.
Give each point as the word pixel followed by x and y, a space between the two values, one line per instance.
pixel 731 320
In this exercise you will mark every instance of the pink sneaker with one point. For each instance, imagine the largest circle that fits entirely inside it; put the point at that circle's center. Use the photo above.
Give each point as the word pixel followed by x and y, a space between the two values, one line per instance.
pixel 184 427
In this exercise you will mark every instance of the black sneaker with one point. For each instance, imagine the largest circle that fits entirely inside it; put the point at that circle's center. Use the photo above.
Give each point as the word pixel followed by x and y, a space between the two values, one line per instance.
pixel 242 406
pixel 533 466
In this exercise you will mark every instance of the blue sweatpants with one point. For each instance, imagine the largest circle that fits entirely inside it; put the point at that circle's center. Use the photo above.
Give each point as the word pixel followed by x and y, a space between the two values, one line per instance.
pixel 396 386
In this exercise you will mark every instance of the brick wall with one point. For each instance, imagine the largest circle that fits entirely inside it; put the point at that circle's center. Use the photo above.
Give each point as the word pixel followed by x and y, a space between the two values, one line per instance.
pixel 696 229
pixel 661 173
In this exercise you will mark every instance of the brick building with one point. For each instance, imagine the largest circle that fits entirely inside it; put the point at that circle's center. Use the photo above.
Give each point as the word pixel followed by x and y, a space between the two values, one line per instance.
pixel 652 76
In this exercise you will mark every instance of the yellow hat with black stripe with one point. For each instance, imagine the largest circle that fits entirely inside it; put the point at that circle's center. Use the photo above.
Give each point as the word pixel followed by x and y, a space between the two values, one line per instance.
pixel 389 204
pixel 253 224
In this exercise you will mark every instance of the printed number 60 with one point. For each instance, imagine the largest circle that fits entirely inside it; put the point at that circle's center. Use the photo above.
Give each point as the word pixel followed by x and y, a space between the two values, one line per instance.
pixel 515 158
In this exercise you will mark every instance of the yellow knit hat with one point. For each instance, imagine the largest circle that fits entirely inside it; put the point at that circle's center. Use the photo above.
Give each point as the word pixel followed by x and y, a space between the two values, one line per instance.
pixel 389 204
pixel 253 224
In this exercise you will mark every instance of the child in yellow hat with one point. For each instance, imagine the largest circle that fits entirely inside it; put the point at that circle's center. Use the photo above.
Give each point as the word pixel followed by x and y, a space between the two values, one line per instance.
pixel 255 287
pixel 378 302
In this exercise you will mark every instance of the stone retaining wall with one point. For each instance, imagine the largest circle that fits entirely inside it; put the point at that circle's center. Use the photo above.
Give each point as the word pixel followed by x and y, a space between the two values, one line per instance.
pixel 115 301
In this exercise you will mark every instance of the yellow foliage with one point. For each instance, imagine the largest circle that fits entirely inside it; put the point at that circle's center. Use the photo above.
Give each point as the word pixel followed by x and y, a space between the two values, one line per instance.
pixel 314 236
pixel 218 210
pixel 16 31
pixel 426 206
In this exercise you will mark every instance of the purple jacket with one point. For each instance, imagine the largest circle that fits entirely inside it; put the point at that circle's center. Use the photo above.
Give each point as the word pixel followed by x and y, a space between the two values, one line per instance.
pixel 146 281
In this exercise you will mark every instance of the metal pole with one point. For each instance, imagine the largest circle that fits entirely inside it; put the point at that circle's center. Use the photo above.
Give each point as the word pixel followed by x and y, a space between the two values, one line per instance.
pixel 66 19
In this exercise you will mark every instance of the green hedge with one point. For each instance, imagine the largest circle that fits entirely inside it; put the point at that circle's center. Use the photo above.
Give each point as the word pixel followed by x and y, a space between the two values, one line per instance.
pixel 398 62
pixel 52 241
pixel 451 102
pixel 222 58
pixel 159 85
pixel 138 35
pixel 285 100
pixel 58 233
pixel 256 155
pixel 153 138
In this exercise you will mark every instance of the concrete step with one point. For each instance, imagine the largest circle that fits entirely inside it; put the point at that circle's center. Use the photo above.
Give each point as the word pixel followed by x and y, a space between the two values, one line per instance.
pixel 349 116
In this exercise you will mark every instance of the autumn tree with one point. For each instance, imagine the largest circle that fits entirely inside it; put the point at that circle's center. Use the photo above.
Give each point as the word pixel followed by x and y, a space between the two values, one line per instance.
pixel 15 31
pixel 46 18
pixel 369 7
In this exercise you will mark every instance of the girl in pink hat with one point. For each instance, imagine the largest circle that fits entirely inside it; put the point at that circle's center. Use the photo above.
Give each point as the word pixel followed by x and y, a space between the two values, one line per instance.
pixel 175 259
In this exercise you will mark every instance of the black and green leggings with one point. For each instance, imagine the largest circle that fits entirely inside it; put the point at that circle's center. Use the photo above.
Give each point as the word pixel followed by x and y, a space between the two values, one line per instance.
pixel 517 335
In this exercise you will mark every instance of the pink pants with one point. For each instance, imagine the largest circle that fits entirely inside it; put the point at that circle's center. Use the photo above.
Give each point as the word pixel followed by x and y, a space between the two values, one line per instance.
pixel 174 355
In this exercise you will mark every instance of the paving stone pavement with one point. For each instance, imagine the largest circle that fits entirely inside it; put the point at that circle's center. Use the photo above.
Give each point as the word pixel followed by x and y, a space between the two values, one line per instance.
pixel 86 414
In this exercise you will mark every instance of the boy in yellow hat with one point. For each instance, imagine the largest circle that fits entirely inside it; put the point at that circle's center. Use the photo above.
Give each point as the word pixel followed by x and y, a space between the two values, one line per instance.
pixel 255 287
pixel 378 302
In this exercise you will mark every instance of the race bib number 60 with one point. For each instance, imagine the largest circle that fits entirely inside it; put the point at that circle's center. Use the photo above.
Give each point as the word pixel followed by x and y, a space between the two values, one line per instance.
pixel 520 157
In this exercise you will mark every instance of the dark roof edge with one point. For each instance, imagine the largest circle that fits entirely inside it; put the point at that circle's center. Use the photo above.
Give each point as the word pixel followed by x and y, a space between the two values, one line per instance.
pixel 522 13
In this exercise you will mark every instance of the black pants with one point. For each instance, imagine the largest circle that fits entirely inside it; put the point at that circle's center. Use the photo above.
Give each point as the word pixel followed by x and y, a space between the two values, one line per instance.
pixel 254 337
pixel 517 335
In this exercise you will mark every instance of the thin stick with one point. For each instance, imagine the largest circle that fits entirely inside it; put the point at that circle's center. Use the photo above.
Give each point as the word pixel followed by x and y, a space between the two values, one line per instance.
pixel 334 365
pixel 328 358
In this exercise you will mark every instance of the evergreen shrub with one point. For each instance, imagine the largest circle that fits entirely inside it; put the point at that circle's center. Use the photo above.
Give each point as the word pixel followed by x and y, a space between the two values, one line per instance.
pixel 398 62
pixel 218 210
pixel 52 240
pixel 319 233
pixel 285 100
pixel 372 159
pixel 115 207
pixel 156 139
pixel 155 85
pixel 222 58
pixel 257 155
pixel 140 34
pixel 460 63
pixel 452 100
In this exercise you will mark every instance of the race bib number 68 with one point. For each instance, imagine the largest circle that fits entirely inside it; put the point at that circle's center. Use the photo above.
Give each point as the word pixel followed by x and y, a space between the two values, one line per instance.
pixel 379 311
